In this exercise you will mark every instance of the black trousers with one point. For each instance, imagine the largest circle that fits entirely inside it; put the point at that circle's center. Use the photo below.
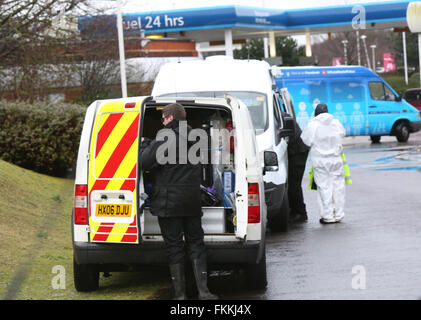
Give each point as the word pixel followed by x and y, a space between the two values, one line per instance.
pixel 173 229
pixel 296 168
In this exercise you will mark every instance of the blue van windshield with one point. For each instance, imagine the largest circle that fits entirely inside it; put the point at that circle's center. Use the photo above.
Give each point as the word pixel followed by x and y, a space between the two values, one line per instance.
pixel 255 101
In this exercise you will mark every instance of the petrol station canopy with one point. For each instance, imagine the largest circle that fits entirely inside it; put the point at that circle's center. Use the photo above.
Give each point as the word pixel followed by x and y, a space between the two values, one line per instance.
pixel 210 23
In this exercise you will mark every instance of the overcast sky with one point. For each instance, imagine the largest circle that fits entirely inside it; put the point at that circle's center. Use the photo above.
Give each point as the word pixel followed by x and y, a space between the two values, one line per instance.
pixel 155 5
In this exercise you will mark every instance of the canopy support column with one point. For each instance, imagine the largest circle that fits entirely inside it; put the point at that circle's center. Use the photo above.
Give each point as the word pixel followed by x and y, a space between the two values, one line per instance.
pixel 272 44
pixel 228 43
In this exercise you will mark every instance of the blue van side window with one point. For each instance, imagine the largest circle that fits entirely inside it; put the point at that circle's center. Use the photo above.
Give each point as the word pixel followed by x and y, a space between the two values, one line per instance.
pixel 307 90
pixel 347 91
pixel 306 95
pixel 317 90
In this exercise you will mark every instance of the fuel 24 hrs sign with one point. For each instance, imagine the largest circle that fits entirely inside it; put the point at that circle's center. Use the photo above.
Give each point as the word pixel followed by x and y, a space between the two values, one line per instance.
pixel 152 22
pixel 175 20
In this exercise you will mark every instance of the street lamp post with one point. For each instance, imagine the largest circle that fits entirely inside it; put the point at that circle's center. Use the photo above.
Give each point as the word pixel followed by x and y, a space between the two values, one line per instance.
pixel 373 55
pixel 121 51
pixel 358 47
pixel 413 18
pixel 405 59
pixel 345 42
pixel 363 37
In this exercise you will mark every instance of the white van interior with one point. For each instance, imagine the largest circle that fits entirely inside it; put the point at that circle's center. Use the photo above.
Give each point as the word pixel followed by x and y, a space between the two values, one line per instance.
pixel 256 103
pixel 218 177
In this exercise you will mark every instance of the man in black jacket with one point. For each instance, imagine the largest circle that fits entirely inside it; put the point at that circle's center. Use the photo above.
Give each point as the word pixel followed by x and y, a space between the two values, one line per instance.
pixel 297 158
pixel 175 198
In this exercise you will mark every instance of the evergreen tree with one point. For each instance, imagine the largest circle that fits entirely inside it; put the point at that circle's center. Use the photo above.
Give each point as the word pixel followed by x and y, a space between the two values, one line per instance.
pixel 286 47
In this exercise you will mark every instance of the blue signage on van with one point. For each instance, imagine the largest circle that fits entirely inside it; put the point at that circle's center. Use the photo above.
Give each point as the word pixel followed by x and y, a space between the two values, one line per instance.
pixel 361 100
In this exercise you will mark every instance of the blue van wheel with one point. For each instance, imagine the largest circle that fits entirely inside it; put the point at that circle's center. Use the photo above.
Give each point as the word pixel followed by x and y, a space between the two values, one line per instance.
pixel 402 132
pixel 375 138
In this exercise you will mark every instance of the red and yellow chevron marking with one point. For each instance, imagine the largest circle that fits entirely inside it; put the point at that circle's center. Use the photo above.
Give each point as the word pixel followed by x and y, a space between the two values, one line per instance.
pixel 114 148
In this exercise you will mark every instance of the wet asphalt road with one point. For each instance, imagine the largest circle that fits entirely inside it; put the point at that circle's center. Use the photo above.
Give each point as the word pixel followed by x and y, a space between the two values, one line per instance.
pixel 375 253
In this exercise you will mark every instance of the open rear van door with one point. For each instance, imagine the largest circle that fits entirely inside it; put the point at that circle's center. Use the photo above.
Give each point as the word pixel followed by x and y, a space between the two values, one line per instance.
pixel 113 172
pixel 247 165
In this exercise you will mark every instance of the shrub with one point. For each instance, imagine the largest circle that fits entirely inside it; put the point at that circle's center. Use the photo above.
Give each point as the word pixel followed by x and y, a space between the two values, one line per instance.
pixel 41 137
pixel 398 82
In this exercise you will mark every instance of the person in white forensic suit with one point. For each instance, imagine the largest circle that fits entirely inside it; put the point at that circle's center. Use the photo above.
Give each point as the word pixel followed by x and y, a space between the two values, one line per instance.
pixel 324 137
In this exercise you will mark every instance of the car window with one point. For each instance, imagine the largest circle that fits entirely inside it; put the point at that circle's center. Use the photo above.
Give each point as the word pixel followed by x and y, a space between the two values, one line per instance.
pixel 276 119
pixel 281 103
pixel 412 96
pixel 285 101
pixel 276 113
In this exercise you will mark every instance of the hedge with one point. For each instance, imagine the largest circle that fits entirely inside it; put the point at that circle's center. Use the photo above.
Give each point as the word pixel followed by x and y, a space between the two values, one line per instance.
pixel 39 136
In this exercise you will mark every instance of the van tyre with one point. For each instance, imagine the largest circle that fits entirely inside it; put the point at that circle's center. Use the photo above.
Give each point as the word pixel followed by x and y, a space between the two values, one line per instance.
pixel 279 222
pixel 375 138
pixel 402 132
pixel 256 274
pixel 86 277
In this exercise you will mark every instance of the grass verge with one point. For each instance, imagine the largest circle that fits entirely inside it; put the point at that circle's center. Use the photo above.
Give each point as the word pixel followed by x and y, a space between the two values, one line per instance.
pixel 35 238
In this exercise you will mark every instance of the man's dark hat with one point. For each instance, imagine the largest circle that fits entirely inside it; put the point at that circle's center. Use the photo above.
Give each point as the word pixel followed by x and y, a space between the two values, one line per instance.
pixel 321 108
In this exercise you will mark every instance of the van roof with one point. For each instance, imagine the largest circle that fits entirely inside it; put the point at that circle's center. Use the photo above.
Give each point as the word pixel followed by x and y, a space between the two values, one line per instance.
pixel 217 73
pixel 285 73
pixel 221 61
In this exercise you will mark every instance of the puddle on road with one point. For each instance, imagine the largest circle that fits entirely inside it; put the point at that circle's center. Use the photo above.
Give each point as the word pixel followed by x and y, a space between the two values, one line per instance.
pixel 398 158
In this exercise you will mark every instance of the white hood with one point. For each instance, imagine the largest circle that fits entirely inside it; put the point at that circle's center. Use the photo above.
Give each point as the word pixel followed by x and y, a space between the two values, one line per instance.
pixel 325 118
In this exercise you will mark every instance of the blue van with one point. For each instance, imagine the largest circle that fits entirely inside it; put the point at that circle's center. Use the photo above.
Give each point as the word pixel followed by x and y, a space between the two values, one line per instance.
pixel 361 100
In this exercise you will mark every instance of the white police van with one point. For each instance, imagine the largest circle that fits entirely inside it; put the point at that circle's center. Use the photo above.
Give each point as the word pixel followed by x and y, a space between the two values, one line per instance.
pixel 112 227
pixel 252 82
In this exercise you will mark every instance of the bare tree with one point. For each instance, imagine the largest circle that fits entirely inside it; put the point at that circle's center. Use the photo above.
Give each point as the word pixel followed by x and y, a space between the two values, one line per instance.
pixel 30 45
pixel 39 53
pixel 327 49
pixel 98 69
pixel 23 21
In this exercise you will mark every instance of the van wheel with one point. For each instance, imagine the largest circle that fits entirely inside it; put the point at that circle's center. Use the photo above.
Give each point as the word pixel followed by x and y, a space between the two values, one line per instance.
pixel 279 223
pixel 402 132
pixel 256 274
pixel 375 138
pixel 86 277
